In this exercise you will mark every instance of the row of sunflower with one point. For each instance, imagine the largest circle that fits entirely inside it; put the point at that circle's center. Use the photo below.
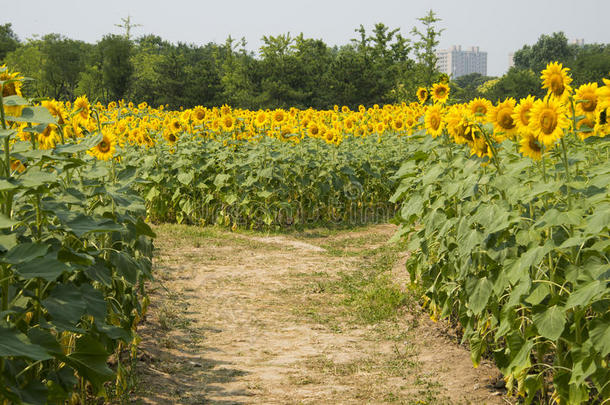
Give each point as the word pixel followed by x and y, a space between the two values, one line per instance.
pixel 74 255
pixel 512 237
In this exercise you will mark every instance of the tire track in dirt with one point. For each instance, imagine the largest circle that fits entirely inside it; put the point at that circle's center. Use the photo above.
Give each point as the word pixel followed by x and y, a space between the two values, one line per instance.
pixel 254 319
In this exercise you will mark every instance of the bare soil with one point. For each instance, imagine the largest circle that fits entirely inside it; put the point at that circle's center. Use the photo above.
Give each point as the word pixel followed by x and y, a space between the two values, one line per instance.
pixel 312 318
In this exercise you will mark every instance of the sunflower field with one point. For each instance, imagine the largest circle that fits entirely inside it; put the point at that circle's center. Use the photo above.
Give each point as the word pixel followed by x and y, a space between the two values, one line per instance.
pixel 504 207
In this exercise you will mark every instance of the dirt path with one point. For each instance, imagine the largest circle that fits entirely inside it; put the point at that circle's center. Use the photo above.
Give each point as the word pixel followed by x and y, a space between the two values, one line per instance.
pixel 320 318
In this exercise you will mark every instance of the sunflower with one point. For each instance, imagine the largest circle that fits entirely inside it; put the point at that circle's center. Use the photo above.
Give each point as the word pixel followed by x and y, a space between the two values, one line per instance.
pixel 548 120
pixel 522 112
pixel 279 116
pixel 440 92
pixel 106 148
pixel 170 137
pixel 313 130
pixel 603 94
pixel 261 118
pixel 227 123
pixel 502 118
pixel 380 127
pixel 225 110
pixel 398 124
pixel 602 125
pixel 480 148
pixel 586 99
pixel 175 126
pixel 555 78
pixel 459 126
pixel 57 110
pixel 585 126
pixel 12 88
pixel 434 120
pixel 422 94
pixel 49 137
pixel 480 108
pixel 82 106
pixel 530 146
pixel 345 109
pixel 198 114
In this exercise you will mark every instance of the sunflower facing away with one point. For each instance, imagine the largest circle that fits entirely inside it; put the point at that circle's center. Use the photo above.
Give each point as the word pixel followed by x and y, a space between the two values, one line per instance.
pixel 83 107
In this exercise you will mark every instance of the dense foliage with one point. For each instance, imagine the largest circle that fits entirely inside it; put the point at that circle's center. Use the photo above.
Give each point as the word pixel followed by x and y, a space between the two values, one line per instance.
pixel 517 249
pixel 74 254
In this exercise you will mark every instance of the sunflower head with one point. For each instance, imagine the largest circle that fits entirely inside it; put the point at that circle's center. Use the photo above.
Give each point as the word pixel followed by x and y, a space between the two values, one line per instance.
pixel 440 92
pixel 586 99
pixel 548 120
pixel 502 118
pixel 106 149
pixel 530 146
pixel 555 78
pixel 422 94
pixel 434 120
pixel 13 88
pixel 522 112
pixel 480 109
pixel 82 107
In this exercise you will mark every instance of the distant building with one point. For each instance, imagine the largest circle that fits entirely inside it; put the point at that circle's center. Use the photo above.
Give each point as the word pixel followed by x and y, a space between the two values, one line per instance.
pixel 511 60
pixel 456 62
pixel 578 42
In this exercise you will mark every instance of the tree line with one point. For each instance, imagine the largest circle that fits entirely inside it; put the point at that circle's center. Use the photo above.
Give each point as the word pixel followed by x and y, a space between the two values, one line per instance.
pixel 380 66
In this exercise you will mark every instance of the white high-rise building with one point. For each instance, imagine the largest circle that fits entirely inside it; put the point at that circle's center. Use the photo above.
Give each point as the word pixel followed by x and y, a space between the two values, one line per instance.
pixel 456 62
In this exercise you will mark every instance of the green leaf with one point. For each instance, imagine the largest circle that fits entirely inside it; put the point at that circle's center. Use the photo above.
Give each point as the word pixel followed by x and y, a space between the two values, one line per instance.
pixel 125 266
pixel 25 252
pixel 480 295
pixel 83 224
pixel 15 343
pixel 186 177
pixel 100 273
pixel 47 268
pixel 85 145
pixel 582 295
pixel 39 115
pixel 550 323
pixel 599 333
pixel 6 222
pixel 66 306
pixel 89 359
pixel 538 294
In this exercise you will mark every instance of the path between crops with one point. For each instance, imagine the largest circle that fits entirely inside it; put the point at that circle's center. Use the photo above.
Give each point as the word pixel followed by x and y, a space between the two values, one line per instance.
pixel 320 318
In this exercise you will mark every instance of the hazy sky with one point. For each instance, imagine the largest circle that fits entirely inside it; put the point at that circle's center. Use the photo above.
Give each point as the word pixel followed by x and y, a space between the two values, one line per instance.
pixel 498 27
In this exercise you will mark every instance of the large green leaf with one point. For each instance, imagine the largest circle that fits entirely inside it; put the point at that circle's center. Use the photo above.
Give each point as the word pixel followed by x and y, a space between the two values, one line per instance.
pixel 89 360
pixel 39 115
pixel 551 322
pixel 25 252
pixel 599 333
pixel 65 305
pixel 47 268
pixel 480 295
pixel 15 343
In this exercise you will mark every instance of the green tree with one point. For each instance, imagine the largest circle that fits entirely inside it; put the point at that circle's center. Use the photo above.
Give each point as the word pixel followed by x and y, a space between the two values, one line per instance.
pixel 117 68
pixel 548 48
pixel 517 83
pixel 466 88
pixel 8 40
pixel 425 47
